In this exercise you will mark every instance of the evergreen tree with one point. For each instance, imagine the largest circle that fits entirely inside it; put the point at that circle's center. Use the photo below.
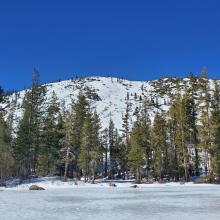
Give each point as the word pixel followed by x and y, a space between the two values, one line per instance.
pixel 179 123
pixel 84 155
pixel 72 141
pixel 145 134
pixel 137 153
pixel 11 115
pixel 51 135
pixel 96 150
pixel 126 132
pixel 78 114
pixel 215 132
pixel 121 157
pixel 204 129
pixel 22 145
pixel 192 92
pixel 111 147
pixel 126 121
pixel 180 142
pixel 26 145
pixel 37 98
pixel 115 156
pixel 105 151
pixel 160 158
pixel 67 151
pixel 1 94
pixel 172 139
pixel 90 149
pixel 184 135
pixel 6 158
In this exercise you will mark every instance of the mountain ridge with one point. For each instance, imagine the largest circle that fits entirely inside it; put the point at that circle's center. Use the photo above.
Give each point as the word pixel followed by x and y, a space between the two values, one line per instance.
pixel 106 94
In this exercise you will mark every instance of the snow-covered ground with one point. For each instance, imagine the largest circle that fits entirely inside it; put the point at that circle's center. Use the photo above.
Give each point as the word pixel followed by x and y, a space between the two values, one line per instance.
pixel 107 95
pixel 100 202
pixel 57 183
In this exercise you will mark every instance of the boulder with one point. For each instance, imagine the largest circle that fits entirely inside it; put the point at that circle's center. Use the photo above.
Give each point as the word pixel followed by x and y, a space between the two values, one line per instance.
pixel 112 185
pixel 35 187
pixel 134 186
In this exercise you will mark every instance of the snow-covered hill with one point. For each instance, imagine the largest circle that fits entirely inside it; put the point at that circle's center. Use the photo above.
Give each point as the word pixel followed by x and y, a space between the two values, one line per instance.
pixel 108 95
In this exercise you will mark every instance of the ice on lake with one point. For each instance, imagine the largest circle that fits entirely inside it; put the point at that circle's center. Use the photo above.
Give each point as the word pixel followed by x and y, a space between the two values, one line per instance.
pixel 153 203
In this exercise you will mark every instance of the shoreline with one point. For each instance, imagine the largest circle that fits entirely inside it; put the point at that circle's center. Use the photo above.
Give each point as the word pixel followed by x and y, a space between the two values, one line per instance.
pixel 47 185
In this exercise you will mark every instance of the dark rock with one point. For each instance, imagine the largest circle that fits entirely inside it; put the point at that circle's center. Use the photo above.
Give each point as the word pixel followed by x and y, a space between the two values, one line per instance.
pixel 112 185
pixel 35 187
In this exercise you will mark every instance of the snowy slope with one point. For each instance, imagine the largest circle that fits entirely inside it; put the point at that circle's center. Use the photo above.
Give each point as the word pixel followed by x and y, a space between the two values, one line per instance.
pixel 108 96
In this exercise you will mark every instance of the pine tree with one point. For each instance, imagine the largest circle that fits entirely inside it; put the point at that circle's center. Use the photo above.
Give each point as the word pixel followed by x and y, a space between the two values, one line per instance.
pixel 26 145
pixel 172 125
pixel 84 155
pixel 77 118
pixel 184 136
pixel 90 149
pixel 215 132
pixel 6 158
pixel 67 151
pixel 114 160
pixel 126 132
pixel 126 121
pixel 37 98
pixel 51 135
pixel 192 92
pixel 137 153
pixel 95 151
pixel 145 135
pixel 22 145
pixel 160 158
pixel 105 150
pixel 120 157
pixel 11 116
pixel 180 135
pixel 204 108
pixel 71 142
pixel 111 147
pixel 1 94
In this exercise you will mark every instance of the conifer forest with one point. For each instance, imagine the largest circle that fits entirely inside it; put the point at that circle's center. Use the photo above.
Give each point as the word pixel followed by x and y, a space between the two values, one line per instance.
pixel 178 142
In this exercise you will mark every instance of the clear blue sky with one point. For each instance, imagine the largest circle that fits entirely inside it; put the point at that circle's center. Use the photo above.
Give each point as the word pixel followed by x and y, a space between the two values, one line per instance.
pixel 138 39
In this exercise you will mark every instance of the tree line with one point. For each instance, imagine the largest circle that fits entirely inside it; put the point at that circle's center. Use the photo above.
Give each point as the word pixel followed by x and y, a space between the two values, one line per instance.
pixel 179 143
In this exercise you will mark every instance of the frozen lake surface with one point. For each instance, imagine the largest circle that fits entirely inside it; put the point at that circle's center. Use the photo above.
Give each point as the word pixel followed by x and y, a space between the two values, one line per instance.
pixel 153 203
